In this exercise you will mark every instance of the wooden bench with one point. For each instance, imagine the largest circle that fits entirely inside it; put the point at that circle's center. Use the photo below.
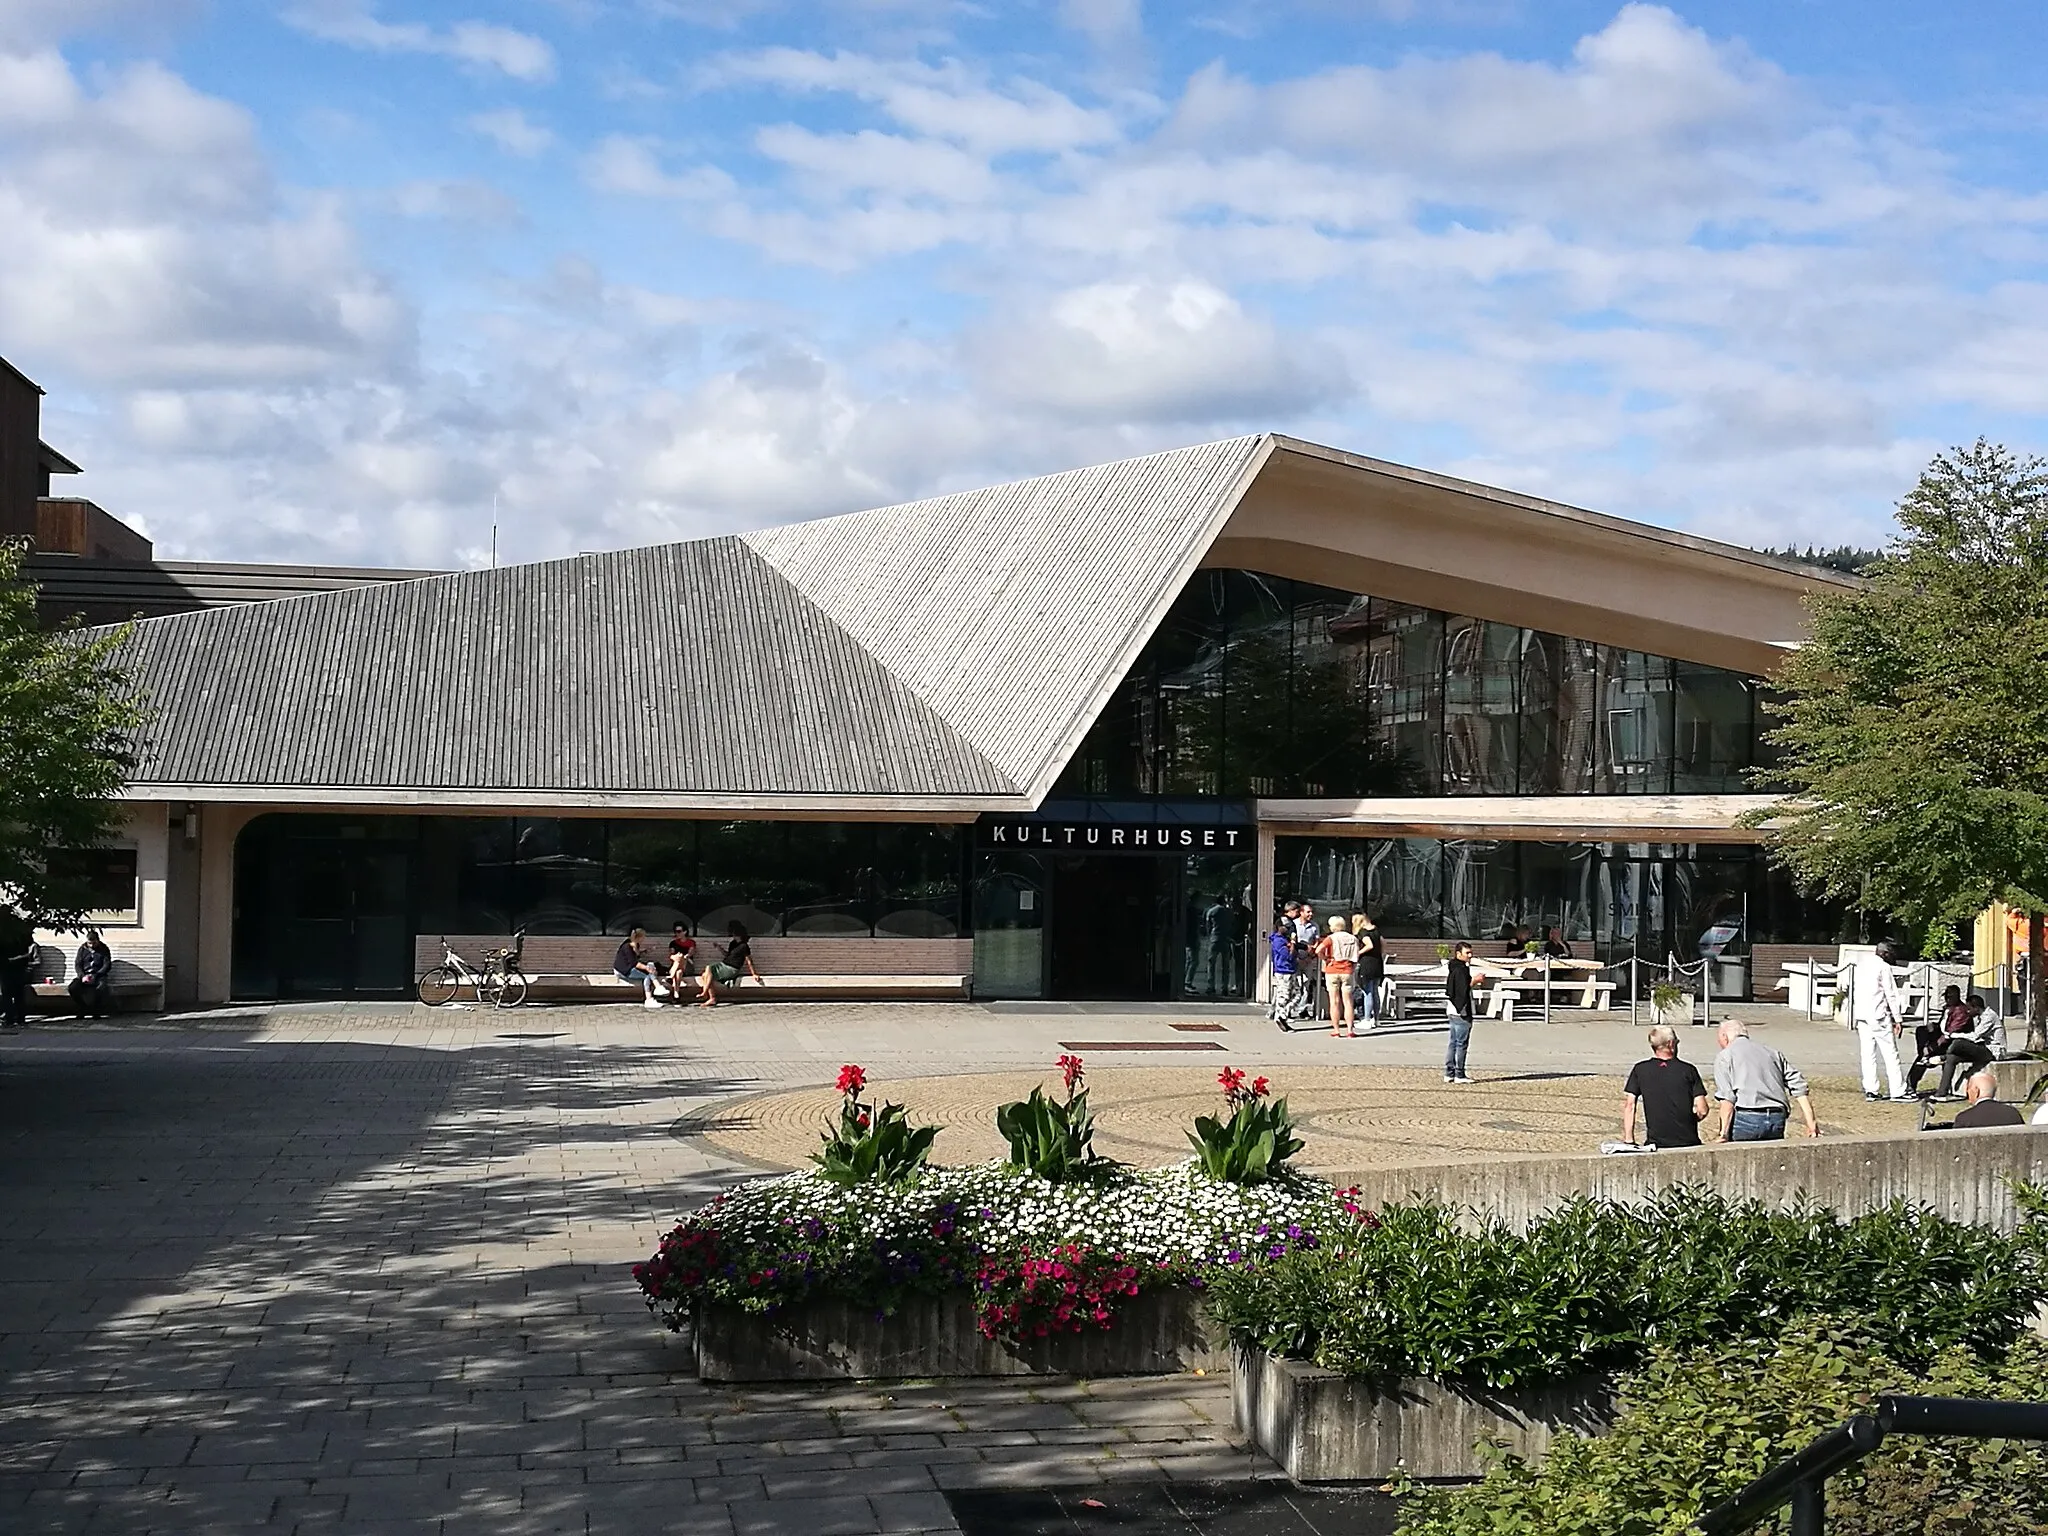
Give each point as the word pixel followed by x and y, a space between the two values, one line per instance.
pixel 129 983
pixel 768 989
pixel 793 967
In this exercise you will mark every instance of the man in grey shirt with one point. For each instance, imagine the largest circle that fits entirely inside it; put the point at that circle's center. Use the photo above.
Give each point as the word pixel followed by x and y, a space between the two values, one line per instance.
pixel 1757 1087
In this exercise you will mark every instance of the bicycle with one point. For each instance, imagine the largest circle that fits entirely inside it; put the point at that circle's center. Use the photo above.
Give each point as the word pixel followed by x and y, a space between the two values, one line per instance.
pixel 501 983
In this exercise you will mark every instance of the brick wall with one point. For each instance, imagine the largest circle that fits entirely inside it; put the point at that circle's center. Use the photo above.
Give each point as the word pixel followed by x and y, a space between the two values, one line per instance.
pixel 1767 964
pixel 580 954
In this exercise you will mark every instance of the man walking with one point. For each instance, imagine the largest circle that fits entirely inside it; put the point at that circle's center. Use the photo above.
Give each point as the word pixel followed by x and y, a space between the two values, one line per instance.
pixel 1669 1092
pixel 1757 1088
pixel 1880 1015
pixel 1458 1001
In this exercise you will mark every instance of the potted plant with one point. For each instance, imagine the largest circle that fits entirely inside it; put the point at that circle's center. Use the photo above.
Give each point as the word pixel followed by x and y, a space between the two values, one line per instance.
pixel 1670 1003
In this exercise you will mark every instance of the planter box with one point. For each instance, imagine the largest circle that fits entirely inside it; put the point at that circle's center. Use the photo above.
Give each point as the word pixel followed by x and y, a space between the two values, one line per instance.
pixel 1159 1333
pixel 1326 1428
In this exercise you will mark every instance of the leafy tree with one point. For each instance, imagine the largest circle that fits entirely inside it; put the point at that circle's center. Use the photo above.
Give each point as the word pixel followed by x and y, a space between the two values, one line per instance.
pixel 1914 736
pixel 70 720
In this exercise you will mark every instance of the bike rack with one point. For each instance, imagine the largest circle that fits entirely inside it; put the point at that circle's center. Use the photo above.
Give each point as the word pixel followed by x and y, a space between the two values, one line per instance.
pixel 1802 1480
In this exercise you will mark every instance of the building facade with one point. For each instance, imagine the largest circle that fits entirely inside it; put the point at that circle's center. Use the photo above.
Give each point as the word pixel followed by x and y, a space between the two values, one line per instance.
pixel 1067 738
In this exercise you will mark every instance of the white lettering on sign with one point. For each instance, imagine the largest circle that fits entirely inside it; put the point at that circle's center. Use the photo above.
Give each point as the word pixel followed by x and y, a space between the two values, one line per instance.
pixel 1108 835
pixel 1208 837
pixel 1116 837
pixel 995 833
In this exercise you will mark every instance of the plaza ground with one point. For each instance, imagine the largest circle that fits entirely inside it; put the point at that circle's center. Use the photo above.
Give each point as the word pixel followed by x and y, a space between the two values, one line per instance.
pixel 363 1269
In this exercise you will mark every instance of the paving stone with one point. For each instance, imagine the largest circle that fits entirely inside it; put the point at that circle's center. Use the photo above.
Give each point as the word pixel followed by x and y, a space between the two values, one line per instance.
pixel 913 1512
pixel 848 1516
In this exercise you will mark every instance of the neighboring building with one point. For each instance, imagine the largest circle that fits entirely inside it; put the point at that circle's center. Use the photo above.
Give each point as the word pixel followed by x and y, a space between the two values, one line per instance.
pixel 1070 736
pixel 90 567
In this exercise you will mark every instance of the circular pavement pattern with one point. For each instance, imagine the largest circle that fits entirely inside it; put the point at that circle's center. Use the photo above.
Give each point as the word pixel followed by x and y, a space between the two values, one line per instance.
pixel 1349 1117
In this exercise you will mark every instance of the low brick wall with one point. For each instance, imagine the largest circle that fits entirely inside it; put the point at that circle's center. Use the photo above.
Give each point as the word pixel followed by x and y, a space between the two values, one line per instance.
pixel 1159 1333
pixel 1326 1428
pixel 796 956
pixel 1959 1174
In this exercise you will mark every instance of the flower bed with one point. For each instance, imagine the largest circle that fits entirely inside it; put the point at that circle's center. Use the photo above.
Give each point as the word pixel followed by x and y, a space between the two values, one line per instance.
pixel 993 1232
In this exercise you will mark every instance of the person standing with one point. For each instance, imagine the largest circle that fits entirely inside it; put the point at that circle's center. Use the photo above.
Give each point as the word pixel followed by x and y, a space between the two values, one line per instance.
pixel 1305 936
pixel 1372 969
pixel 1757 1087
pixel 1281 946
pixel 1669 1092
pixel 1338 952
pixel 1458 1004
pixel 18 952
pixel 1880 1015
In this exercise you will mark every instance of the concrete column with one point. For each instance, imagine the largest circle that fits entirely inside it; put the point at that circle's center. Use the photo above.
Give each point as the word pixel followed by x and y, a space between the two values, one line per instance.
pixel 1262 912
pixel 219 826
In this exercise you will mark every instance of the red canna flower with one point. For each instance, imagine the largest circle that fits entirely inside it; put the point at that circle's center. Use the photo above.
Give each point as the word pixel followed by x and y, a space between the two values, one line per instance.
pixel 1259 1088
pixel 852 1079
pixel 1071 1066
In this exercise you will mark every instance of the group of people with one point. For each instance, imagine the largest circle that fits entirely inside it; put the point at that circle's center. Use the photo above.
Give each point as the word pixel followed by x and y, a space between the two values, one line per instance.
pixel 1351 959
pixel 1757 1089
pixel 673 977
pixel 92 972
pixel 1967 1032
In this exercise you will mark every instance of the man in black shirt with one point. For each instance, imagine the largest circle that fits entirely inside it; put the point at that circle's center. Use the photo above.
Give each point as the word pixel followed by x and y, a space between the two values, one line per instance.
pixel 1458 1004
pixel 18 952
pixel 1669 1092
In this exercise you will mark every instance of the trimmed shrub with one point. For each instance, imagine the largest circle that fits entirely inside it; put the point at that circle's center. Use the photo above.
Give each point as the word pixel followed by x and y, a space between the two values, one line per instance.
pixel 1595 1284
pixel 1697 1424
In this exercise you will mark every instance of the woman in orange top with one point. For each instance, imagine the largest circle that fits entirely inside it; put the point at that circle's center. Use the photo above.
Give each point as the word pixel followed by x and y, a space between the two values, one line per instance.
pixel 1338 950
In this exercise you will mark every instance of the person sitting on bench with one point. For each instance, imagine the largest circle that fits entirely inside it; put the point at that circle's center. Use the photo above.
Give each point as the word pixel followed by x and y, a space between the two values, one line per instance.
pixel 92 977
pixel 634 969
pixel 682 960
pixel 739 956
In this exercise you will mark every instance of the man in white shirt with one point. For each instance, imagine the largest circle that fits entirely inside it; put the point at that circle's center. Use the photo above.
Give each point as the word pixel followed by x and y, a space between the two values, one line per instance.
pixel 1880 1014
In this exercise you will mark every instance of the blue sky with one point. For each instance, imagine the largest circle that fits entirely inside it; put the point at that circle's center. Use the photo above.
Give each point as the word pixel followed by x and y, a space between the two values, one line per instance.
pixel 348 280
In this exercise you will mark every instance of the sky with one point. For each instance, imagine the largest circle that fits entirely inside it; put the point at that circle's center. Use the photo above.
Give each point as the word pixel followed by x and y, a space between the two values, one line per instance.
pixel 355 281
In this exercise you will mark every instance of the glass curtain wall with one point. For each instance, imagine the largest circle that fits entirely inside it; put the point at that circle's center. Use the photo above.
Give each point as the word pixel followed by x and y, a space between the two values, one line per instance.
pixel 1256 686
pixel 573 875
pixel 1609 900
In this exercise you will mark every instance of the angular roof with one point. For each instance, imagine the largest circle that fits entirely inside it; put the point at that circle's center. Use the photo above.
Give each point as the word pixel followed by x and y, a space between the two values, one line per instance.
pixel 939 658
pixel 942 656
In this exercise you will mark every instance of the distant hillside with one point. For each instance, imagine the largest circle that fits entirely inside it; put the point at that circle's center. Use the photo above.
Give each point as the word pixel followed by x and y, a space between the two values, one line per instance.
pixel 1842 558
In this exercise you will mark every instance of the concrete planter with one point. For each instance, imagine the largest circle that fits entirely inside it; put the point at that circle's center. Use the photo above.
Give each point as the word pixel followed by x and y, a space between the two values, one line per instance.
pixel 1326 1428
pixel 1158 1333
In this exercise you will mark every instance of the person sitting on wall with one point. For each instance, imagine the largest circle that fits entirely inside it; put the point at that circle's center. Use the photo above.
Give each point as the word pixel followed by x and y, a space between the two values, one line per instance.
pixel 1953 1044
pixel 92 977
pixel 633 967
pixel 682 959
pixel 739 956
pixel 1986 1108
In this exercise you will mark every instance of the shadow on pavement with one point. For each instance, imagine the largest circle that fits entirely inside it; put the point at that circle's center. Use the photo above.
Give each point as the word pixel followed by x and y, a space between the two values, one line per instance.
pixel 1268 1507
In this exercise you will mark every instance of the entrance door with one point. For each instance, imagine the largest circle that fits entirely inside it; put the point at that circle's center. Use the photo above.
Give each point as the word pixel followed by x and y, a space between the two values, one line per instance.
pixel 342 925
pixel 1105 925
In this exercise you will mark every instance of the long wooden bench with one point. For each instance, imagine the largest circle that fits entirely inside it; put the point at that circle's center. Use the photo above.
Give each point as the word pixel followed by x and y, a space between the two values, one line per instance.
pixel 130 984
pixel 570 967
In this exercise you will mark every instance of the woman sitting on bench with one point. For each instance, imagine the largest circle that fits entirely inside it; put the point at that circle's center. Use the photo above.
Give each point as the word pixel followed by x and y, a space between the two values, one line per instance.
pixel 739 955
pixel 634 969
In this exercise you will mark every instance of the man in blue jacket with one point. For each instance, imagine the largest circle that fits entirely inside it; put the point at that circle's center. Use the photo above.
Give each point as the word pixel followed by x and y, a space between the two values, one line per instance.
pixel 1286 982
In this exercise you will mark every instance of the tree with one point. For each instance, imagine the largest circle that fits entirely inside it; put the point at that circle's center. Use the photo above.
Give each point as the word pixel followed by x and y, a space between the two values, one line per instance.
pixel 70 722
pixel 1914 734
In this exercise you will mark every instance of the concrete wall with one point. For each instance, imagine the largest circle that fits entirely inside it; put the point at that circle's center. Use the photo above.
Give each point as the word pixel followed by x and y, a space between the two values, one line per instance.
pixel 1959 1174
pixel 138 946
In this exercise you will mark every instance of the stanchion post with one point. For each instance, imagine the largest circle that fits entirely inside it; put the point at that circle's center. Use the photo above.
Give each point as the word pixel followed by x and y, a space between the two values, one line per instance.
pixel 1546 985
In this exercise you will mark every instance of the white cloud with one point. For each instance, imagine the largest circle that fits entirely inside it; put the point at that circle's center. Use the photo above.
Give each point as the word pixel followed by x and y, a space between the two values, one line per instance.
pixel 32 24
pixel 481 44
pixel 183 265
pixel 632 167
pixel 458 201
pixel 1182 351
pixel 512 131
pixel 948 101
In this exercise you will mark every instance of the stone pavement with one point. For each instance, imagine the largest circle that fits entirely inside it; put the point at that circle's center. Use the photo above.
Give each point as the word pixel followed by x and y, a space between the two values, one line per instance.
pixel 350 1269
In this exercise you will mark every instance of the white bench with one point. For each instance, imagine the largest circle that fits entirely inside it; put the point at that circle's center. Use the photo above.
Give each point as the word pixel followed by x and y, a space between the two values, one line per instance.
pixel 1507 992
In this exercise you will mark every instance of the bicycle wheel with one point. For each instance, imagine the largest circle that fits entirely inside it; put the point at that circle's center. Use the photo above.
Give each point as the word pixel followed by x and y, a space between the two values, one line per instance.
pixel 512 989
pixel 439 986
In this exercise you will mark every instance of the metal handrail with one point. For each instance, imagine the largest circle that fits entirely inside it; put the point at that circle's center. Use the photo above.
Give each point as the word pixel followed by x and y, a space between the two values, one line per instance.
pixel 1801 1481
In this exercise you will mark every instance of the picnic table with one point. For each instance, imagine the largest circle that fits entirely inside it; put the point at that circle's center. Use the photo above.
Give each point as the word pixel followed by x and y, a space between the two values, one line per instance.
pixel 1504 983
